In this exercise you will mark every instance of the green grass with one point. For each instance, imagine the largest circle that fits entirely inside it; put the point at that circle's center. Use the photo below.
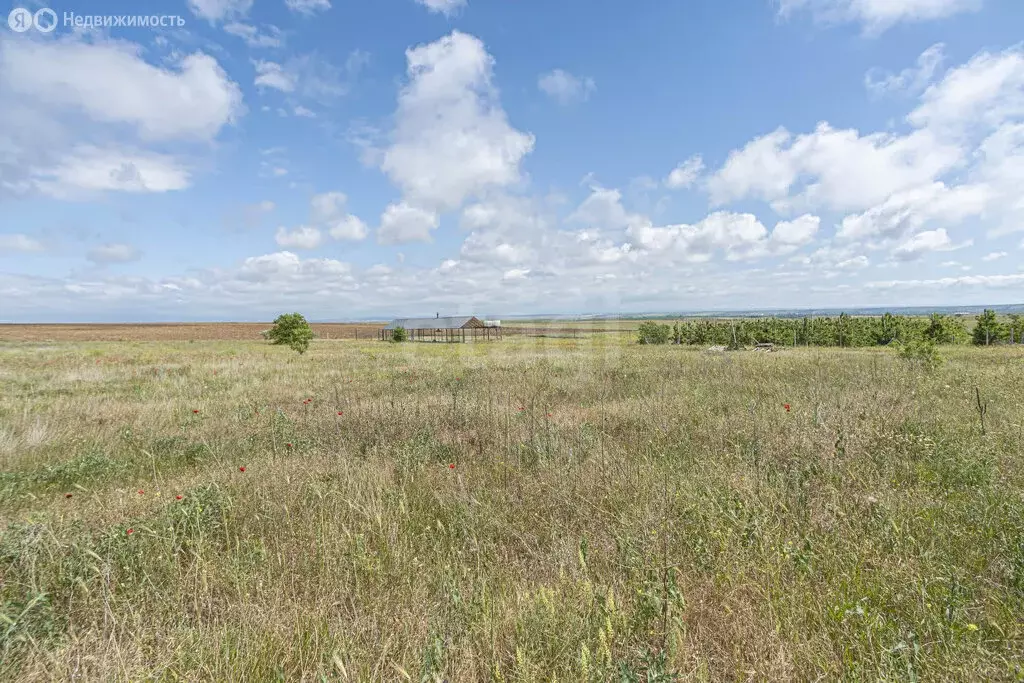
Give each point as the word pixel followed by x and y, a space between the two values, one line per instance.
pixel 615 512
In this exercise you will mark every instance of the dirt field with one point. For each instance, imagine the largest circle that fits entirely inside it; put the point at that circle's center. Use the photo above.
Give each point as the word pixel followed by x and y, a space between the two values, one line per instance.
pixel 169 332
pixel 173 331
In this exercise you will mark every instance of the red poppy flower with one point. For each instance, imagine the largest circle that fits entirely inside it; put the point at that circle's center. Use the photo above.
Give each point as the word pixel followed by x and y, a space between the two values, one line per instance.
pixel 242 468
pixel 130 532
pixel 195 411
pixel 288 445
pixel 340 412
pixel 549 414
pixel 178 497
pixel 67 495
pixel 141 492
pixel 786 406
pixel 452 466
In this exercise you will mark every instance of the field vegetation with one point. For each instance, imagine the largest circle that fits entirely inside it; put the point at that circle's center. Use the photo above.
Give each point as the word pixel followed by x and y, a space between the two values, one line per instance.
pixel 524 510
pixel 843 330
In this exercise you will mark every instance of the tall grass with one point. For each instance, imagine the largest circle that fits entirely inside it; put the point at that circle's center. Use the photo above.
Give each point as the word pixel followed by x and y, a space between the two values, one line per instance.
pixel 514 511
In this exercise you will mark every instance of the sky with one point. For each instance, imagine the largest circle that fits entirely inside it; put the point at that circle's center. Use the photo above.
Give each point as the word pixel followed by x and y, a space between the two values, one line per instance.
pixel 354 159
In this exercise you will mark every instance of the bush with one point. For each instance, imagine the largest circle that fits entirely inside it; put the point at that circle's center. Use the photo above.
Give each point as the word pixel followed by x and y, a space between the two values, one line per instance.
pixel 654 333
pixel 943 329
pixel 921 352
pixel 399 335
pixel 988 330
pixel 291 329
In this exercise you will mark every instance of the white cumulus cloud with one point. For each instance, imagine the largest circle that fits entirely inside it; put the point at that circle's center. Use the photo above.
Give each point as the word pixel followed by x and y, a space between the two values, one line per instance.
pixel 452 140
pixel 402 223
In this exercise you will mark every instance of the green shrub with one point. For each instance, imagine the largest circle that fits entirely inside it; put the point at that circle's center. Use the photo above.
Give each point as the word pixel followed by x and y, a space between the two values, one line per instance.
pixel 399 335
pixel 651 332
pixel 291 329
pixel 921 352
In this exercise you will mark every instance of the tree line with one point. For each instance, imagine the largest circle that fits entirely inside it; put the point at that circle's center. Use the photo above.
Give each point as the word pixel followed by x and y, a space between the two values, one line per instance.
pixel 843 330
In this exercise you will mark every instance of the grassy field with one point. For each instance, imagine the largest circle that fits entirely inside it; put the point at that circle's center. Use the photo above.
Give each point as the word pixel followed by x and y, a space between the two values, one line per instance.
pixel 586 510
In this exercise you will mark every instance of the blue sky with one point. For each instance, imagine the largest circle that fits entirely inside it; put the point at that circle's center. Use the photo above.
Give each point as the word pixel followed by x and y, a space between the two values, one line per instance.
pixel 352 159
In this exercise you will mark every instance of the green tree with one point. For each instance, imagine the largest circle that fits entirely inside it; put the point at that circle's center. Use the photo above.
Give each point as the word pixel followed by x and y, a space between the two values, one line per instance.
pixel 291 329
pixel 399 335
pixel 988 329
pixel 1017 328
pixel 943 329
pixel 651 332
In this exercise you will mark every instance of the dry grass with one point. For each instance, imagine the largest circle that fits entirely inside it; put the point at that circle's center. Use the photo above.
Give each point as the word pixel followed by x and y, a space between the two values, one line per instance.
pixel 614 512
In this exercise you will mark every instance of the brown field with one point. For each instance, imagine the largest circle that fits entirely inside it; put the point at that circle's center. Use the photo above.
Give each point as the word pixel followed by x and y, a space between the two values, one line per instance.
pixel 171 332
pixel 166 332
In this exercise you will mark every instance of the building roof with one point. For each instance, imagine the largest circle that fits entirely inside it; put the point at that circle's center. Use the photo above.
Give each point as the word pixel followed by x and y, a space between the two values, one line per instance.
pixel 448 323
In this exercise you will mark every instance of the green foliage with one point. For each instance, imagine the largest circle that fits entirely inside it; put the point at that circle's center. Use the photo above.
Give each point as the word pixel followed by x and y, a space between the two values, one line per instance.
pixel 944 329
pixel 291 329
pixel 399 335
pixel 1017 328
pixel 845 331
pixel 921 352
pixel 988 329
pixel 651 332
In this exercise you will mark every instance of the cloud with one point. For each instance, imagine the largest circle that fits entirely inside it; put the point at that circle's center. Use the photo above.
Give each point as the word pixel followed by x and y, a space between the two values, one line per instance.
pixel 987 91
pixel 452 139
pixel 308 7
pixel 328 215
pixel 910 80
pixel 311 76
pixel 962 159
pixel 303 112
pixel 216 10
pixel 797 232
pixel 515 274
pixel 252 35
pixel 990 281
pixel 445 7
pixel 302 237
pixel 603 210
pixel 877 16
pixel 908 211
pixel 927 241
pixel 286 269
pixel 273 75
pixel 66 101
pixel 88 169
pixel 328 210
pixel 831 169
pixel 856 262
pixel 739 235
pixel 402 223
pixel 109 82
pixel 685 174
pixel 994 256
pixel 113 253
pixel 19 242
pixel 565 88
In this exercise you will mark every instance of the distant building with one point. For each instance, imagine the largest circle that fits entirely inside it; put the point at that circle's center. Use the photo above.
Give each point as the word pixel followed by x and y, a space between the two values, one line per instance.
pixel 443 329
